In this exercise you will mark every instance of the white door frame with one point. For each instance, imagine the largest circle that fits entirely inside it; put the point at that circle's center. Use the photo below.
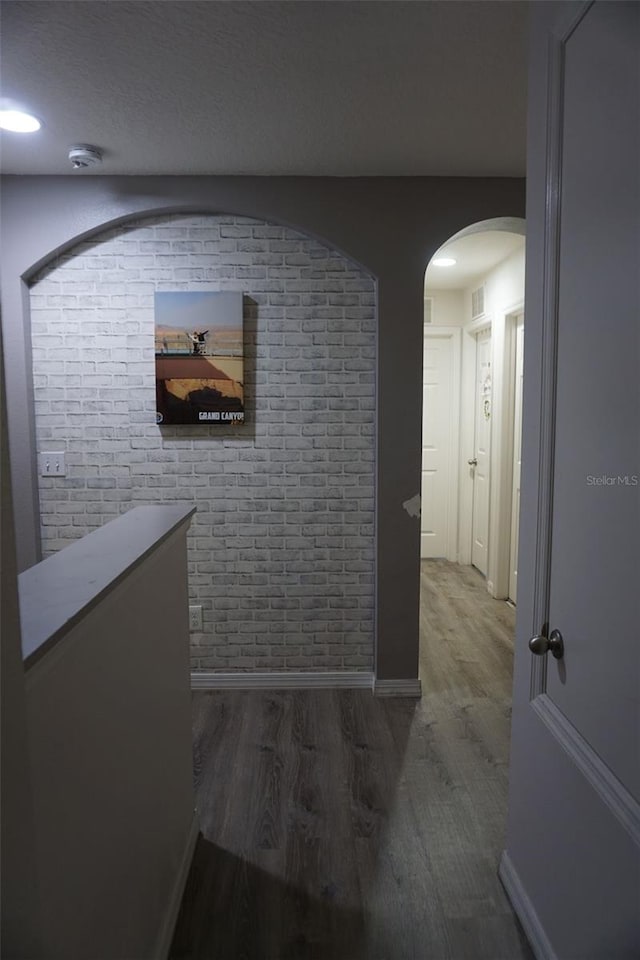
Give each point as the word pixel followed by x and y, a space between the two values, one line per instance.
pixel 518 362
pixel 452 334
pixel 502 326
pixel 467 433
pixel 502 430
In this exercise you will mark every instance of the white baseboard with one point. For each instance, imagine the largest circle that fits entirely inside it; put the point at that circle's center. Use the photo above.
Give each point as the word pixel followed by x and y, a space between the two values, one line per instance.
pixel 524 910
pixel 398 688
pixel 275 681
pixel 165 935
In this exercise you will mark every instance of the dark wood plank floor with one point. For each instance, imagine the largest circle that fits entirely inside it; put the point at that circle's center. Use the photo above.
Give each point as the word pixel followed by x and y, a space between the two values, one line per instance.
pixel 339 826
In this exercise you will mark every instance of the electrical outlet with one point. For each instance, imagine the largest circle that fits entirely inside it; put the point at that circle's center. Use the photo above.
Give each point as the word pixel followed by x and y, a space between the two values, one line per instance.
pixel 51 464
pixel 195 618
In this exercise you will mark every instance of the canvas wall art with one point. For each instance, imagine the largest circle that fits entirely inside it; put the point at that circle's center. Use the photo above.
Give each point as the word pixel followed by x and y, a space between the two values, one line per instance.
pixel 199 358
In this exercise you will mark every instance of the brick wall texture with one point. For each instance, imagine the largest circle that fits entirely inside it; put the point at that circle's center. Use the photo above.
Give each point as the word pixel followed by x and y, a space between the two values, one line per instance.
pixel 281 549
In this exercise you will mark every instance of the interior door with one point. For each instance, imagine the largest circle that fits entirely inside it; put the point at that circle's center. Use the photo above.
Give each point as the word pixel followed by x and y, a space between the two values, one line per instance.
pixel 481 457
pixel 572 863
pixel 436 445
pixel 517 459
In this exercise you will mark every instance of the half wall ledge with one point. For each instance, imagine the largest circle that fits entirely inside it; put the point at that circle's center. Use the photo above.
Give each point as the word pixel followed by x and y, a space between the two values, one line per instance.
pixel 58 592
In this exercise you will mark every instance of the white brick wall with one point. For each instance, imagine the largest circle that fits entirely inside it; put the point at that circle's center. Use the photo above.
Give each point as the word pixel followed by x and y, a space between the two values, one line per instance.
pixel 281 547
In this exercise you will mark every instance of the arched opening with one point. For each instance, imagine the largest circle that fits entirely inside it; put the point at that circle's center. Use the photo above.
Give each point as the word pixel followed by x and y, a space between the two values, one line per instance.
pixel 472 393
pixel 473 337
pixel 280 498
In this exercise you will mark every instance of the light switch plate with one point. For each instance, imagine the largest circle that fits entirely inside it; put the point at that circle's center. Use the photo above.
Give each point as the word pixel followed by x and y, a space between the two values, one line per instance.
pixel 51 464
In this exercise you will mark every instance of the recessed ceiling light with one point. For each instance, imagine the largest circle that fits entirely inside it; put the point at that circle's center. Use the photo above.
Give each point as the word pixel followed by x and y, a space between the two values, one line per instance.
pixel 443 261
pixel 19 122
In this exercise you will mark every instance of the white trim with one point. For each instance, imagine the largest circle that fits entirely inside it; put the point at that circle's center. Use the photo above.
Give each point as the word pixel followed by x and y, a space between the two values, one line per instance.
pixel 165 935
pixel 454 451
pixel 611 791
pixel 468 433
pixel 398 688
pixel 502 432
pixel 201 680
pixel 524 910
pixel 546 374
pixel 479 324
pixel 515 403
pixel 454 334
pixel 467 445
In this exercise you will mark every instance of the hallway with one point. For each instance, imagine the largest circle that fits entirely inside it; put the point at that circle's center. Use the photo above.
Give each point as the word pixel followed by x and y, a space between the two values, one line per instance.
pixel 339 826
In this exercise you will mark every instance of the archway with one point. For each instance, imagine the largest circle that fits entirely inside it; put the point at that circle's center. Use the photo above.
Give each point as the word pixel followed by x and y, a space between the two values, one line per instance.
pixel 280 503
pixel 474 305
pixel 474 302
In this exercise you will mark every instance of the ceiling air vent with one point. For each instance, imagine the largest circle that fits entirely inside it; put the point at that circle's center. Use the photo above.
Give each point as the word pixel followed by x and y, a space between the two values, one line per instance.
pixel 477 302
pixel 428 309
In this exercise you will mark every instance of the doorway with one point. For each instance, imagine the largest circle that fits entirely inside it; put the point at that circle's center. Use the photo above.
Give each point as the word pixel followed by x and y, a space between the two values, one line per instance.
pixel 471 430
pixel 472 407
pixel 440 429
pixel 480 462
pixel 474 290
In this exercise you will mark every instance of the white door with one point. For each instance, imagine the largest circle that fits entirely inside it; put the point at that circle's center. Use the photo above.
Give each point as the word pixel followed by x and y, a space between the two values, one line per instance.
pixel 517 460
pixel 481 454
pixel 436 445
pixel 572 863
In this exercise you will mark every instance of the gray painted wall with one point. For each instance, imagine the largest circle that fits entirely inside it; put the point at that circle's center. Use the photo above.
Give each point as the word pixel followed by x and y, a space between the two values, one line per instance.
pixel 19 891
pixel 391 226
pixel 110 750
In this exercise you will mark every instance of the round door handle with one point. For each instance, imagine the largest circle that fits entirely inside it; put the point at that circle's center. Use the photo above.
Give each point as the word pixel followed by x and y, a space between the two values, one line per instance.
pixel 553 644
pixel 473 462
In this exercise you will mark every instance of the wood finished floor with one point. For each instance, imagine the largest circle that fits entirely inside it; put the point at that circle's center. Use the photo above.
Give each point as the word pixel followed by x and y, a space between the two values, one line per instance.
pixel 339 826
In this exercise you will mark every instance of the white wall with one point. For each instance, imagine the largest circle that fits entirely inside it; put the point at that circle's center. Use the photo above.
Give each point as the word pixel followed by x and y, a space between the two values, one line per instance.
pixel 20 910
pixel 281 549
pixel 447 308
pixel 504 285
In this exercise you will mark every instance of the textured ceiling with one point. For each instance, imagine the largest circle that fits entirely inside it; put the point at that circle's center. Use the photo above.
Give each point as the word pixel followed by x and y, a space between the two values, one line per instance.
pixel 335 88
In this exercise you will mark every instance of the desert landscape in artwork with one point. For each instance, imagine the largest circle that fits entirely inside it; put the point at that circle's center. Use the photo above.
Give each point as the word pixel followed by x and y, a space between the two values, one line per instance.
pixel 199 357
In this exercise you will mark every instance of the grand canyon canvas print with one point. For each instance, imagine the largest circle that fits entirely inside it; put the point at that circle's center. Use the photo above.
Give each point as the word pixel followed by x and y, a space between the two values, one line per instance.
pixel 199 358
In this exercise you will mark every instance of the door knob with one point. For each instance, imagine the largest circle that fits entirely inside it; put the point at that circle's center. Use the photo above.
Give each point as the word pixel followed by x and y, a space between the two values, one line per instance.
pixel 473 462
pixel 553 643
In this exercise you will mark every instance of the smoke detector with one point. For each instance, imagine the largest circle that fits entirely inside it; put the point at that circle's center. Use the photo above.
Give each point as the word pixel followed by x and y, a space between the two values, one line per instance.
pixel 83 155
